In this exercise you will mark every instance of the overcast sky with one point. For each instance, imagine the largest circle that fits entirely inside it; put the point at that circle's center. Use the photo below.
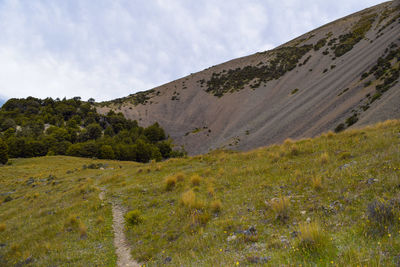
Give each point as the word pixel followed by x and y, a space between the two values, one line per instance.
pixel 111 48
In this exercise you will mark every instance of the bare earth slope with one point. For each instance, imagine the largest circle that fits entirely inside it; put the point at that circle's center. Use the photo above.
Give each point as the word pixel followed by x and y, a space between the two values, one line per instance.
pixel 327 79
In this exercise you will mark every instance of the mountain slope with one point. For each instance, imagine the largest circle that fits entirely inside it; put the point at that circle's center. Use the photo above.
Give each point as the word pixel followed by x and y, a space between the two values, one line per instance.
pixel 327 79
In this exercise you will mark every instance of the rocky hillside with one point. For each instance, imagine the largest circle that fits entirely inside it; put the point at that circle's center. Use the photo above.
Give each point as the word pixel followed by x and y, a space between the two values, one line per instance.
pixel 343 74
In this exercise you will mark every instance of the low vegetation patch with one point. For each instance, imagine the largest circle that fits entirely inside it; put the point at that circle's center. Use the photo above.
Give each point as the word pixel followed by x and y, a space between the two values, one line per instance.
pixel 284 60
pixel 313 241
pixel 133 217
pixel 356 34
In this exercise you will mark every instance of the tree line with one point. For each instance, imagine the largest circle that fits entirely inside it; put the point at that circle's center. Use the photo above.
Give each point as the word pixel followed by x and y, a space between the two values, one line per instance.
pixel 32 127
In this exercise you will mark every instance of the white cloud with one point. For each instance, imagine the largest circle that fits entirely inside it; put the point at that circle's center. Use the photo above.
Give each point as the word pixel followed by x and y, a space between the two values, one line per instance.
pixel 111 48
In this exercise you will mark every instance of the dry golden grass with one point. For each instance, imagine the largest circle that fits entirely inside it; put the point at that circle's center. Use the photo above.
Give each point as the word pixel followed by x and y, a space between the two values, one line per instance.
pixel 100 220
pixel 294 150
pixel 330 134
pixel 190 200
pixel 195 180
pixel 82 229
pixel 2 227
pixel 15 247
pixel 288 141
pixel 170 182
pixel 324 158
pixel 210 191
pixel 180 176
pixel 316 182
pixel 47 246
pixel 275 156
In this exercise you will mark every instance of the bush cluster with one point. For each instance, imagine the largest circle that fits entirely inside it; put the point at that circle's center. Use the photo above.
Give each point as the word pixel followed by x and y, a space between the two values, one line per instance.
pixel 33 127
pixel 3 152
pixel 285 60
pixel 348 40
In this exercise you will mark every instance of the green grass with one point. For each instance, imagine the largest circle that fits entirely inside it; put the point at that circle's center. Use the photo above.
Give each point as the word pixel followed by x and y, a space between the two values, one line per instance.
pixel 230 215
pixel 46 219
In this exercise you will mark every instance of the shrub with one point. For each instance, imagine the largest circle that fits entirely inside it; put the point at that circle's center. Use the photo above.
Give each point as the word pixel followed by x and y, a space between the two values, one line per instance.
pixel 216 206
pixel 280 206
pixel 381 212
pixel 133 217
pixel 340 128
pixel 195 180
pixel 312 238
pixel 3 152
pixel 106 152
pixel 170 182
pixel 367 83
pixel 351 120
pixel 364 75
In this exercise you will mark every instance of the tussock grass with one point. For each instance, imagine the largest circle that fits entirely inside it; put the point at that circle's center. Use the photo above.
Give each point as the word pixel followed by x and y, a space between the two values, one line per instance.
pixel 216 206
pixel 100 220
pixel 180 176
pixel 195 180
pixel 324 158
pixel 280 206
pixel 316 183
pixel 82 230
pixel 210 191
pixel 312 238
pixel 191 201
pixel 170 182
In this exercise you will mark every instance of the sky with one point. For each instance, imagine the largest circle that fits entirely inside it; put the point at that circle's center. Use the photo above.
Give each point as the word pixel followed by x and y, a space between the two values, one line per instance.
pixel 107 49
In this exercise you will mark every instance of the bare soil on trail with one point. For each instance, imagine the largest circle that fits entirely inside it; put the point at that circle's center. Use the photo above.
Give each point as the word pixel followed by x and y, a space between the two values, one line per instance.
pixel 121 245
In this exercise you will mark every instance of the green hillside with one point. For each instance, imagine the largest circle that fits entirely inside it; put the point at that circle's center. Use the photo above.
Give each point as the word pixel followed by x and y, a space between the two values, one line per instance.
pixel 329 201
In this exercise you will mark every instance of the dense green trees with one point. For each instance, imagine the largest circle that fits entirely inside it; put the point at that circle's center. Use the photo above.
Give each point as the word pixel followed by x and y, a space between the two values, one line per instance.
pixel 33 127
pixel 3 152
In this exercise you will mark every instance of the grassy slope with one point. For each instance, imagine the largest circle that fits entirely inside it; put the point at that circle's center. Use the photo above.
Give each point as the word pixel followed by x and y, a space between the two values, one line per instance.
pixel 309 174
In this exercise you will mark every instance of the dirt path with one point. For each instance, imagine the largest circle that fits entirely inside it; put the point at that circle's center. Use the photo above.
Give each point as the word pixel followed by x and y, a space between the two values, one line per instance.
pixel 120 243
